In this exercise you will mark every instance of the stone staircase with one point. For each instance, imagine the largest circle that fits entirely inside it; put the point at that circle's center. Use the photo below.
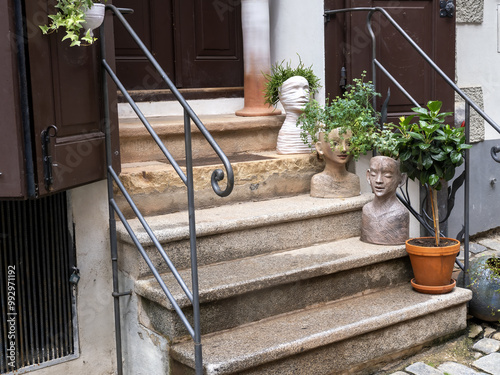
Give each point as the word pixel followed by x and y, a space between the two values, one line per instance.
pixel 286 287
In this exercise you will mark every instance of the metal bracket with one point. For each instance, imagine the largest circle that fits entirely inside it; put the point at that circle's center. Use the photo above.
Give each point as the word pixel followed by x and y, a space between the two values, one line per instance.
pixel 46 134
pixel 446 8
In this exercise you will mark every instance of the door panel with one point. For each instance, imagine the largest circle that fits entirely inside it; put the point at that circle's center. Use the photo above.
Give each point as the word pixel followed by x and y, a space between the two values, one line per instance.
pixel 209 44
pixel 197 42
pixel 66 93
pixel 421 20
pixel 152 21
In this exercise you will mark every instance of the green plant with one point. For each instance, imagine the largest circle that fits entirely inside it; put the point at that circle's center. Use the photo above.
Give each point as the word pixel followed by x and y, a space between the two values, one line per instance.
pixel 352 111
pixel 281 72
pixel 429 149
pixel 71 16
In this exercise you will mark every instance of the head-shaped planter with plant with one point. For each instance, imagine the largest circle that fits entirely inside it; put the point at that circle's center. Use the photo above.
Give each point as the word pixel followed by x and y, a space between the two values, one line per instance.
pixel 429 150
pixel 71 14
pixel 280 72
pixel 353 112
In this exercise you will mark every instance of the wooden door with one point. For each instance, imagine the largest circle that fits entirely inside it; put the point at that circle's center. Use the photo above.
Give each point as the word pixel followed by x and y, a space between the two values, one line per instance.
pixel 66 99
pixel 421 20
pixel 197 42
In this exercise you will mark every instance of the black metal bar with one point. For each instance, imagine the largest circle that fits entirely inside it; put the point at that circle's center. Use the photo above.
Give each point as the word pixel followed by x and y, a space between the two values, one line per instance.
pixel 151 266
pixel 466 195
pixel 396 83
pixel 145 121
pixel 112 221
pixel 151 235
pixel 192 243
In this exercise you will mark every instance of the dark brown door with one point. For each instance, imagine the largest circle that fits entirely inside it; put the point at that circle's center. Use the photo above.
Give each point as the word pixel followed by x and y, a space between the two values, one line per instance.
pixel 421 20
pixel 197 42
pixel 12 161
pixel 66 96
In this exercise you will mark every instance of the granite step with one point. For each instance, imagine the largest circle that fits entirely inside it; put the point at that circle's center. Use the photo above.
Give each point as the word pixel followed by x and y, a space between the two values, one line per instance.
pixel 234 134
pixel 351 335
pixel 249 289
pixel 242 230
pixel 157 189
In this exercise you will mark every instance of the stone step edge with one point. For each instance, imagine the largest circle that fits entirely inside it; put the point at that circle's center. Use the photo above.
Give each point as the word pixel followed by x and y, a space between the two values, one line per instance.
pixel 217 360
pixel 240 216
pixel 174 125
pixel 360 255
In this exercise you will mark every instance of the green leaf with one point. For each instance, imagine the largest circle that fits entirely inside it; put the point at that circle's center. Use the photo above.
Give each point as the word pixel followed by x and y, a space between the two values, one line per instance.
pixel 439 157
pixel 434 106
pixel 418 136
pixel 456 157
pixel 427 161
pixel 433 180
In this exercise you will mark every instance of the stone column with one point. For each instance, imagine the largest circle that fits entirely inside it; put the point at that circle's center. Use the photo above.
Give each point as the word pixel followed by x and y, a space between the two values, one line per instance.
pixel 256 57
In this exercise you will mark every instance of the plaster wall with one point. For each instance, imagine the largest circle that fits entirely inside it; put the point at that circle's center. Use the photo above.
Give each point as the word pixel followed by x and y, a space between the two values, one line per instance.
pixel 478 59
pixel 297 27
pixel 89 211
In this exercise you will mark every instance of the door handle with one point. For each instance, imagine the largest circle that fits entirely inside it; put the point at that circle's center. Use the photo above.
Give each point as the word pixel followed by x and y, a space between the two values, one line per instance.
pixel 48 133
pixel 446 8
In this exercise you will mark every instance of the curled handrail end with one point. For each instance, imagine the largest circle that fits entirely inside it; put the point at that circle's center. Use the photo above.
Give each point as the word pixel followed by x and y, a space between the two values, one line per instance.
pixel 218 175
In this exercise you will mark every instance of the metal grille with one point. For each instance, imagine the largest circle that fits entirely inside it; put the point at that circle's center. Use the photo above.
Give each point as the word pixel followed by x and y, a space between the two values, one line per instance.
pixel 37 300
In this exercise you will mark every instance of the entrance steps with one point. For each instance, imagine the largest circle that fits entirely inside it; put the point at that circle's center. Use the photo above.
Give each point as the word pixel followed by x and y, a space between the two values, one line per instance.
pixel 286 287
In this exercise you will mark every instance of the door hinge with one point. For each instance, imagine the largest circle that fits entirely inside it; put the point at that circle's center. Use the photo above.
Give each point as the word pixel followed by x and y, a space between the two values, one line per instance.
pixel 446 8
pixel 343 78
pixel 46 134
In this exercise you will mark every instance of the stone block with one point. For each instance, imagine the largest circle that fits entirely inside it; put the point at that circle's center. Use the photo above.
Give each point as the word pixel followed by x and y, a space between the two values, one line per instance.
pixel 487 346
pixel 489 363
pixel 470 11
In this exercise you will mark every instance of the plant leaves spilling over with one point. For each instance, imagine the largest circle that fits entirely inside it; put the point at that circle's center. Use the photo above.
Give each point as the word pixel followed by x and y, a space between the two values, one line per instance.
pixel 352 111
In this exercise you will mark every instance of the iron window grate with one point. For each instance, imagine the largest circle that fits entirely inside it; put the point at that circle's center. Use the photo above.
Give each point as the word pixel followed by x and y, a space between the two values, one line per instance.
pixel 37 300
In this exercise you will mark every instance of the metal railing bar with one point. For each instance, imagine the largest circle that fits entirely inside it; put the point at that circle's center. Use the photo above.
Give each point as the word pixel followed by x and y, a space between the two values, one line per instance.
pixel 217 175
pixel 422 53
pixel 153 269
pixel 396 83
pixel 192 241
pixel 145 121
pixel 466 195
pixel 151 235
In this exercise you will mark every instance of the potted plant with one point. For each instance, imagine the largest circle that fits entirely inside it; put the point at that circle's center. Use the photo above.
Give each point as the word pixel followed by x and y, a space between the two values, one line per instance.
pixel 293 87
pixel 75 15
pixel 341 129
pixel 429 150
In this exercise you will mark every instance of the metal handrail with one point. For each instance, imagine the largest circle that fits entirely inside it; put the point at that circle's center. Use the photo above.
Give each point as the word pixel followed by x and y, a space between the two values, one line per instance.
pixel 187 178
pixel 468 103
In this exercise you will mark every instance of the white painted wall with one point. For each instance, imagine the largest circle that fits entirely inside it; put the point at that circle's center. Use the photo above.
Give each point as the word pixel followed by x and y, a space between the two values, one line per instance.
pixel 89 208
pixel 478 60
pixel 297 27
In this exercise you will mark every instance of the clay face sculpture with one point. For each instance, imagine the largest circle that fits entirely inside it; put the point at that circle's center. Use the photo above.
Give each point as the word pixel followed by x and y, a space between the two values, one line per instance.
pixel 335 181
pixel 385 220
pixel 294 95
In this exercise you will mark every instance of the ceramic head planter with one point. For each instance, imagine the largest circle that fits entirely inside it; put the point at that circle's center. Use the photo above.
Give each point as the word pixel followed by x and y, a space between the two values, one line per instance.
pixel 385 221
pixel 335 181
pixel 294 95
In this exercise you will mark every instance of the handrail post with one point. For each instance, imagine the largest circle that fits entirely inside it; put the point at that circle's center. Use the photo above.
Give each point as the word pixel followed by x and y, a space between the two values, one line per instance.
pixel 112 221
pixel 192 241
pixel 466 195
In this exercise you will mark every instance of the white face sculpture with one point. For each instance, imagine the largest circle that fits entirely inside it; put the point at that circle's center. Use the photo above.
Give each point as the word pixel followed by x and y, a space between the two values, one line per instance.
pixel 294 94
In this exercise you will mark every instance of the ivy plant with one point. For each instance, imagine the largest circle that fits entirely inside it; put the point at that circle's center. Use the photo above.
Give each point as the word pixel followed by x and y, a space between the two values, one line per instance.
pixel 71 16
pixel 429 150
pixel 352 111
pixel 280 72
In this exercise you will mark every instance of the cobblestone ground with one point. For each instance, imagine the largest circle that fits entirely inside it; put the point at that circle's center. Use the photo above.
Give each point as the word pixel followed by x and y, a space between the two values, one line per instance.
pixel 475 352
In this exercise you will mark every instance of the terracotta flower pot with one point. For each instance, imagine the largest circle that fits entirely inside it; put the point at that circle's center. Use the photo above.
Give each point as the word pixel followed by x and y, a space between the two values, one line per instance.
pixel 433 266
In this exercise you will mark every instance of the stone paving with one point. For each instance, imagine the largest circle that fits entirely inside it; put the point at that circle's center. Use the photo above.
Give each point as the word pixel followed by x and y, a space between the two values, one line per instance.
pixel 475 352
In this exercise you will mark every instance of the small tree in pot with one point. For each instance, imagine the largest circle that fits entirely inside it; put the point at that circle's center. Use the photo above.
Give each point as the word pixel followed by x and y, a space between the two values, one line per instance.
pixel 429 150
